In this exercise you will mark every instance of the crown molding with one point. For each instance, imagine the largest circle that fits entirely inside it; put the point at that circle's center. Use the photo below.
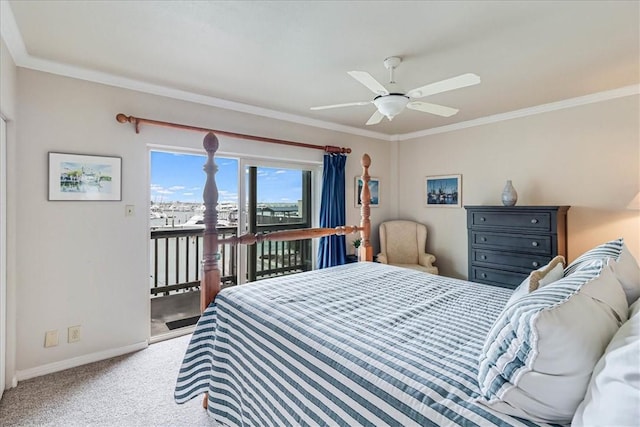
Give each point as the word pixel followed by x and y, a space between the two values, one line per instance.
pixel 15 44
pixel 168 92
pixel 10 33
pixel 530 111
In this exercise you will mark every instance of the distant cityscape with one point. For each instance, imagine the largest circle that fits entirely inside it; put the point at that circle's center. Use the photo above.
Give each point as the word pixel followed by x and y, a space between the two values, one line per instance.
pixel 189 214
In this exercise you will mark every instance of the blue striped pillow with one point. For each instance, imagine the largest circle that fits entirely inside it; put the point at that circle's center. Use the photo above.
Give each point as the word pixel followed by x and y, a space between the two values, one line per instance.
pixel 611 249
pixel 539 354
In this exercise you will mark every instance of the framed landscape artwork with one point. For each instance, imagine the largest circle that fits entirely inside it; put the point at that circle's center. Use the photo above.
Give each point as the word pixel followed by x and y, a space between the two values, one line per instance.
pixel 443 191
pixel 83 177
pixel 374 188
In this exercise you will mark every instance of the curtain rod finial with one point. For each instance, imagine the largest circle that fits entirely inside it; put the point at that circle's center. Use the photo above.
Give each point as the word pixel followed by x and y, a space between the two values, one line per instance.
pixel 122 118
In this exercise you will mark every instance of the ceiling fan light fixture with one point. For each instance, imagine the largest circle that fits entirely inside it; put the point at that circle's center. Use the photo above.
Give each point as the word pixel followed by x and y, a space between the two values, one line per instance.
pixel 391 99
pixel 391 105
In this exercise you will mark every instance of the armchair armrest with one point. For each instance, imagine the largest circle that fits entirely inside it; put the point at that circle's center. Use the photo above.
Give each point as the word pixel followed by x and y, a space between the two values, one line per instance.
pixel 381 258
pixel 426 259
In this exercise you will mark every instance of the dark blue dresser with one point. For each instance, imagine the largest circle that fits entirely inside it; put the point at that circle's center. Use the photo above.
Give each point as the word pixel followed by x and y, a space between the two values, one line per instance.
pixel 507 243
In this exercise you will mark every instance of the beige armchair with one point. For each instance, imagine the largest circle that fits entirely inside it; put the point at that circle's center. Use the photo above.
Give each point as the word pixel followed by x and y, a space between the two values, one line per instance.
pixel 402 243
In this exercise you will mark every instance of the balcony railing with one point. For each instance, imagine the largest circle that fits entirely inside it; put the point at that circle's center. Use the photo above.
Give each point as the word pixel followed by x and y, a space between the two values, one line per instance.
pixel 279 258
pixel 176 254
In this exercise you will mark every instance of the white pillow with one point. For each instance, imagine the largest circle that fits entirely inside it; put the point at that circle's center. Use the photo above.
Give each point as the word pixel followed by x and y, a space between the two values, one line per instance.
pixel 613 396
pixel 541 277
pixel 538 357
pixel 548 274
pixel 610 249
pixel 628 273
pixel 626 268
pixel 520 291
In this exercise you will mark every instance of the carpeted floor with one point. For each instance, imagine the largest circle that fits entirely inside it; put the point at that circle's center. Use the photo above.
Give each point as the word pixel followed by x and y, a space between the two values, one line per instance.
pixel 130 390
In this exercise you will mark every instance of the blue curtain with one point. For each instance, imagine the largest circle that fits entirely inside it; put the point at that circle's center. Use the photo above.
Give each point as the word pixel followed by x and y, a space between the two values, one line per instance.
pixel 333 249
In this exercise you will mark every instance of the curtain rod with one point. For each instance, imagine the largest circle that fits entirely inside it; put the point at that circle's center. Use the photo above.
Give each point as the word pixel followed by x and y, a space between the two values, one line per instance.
pixel 123 118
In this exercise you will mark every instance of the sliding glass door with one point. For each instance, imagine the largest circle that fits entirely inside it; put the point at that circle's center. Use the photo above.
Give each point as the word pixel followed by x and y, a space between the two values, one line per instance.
pixel 277 198
pixel 254 195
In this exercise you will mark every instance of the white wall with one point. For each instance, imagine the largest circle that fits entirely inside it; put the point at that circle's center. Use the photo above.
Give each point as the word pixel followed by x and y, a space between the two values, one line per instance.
pixel 8 85
pixel 85 263
pixel 586 157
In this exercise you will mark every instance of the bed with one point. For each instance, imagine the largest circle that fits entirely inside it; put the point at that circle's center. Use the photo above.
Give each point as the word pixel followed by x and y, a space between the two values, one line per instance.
pixel 372 344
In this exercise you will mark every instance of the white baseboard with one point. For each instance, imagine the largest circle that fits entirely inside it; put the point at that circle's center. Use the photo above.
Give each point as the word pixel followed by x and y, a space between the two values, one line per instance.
pixel 173 334
pixel 77 361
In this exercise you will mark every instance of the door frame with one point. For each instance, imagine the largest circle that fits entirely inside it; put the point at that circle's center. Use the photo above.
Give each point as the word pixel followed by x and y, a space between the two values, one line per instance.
pixel 3 254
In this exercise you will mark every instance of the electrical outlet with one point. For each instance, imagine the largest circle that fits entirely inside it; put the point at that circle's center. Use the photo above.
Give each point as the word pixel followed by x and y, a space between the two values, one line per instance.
pixel 73 334
pixel 51 338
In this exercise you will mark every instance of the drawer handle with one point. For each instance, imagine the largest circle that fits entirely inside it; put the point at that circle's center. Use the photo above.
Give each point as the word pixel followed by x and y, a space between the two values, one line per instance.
pixel 483 239
pixel 484 275
pixel 534 221
pixel 534 244
pixel 483 219
pixel 483 257
pixel 535 263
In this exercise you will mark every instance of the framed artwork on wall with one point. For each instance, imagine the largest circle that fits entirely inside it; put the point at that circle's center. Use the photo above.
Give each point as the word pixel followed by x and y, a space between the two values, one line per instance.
pixel 374 188
pixel 443 191
pixel 84 177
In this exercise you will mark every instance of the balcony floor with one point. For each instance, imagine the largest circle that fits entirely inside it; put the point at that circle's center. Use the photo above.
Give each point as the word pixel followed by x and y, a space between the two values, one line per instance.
pixel 172 307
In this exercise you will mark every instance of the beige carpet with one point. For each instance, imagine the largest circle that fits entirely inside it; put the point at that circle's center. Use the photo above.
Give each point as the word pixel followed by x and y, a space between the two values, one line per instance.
pixel 131 390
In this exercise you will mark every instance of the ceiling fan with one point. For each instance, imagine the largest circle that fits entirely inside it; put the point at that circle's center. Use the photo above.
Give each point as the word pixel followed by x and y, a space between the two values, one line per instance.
pixel 390 102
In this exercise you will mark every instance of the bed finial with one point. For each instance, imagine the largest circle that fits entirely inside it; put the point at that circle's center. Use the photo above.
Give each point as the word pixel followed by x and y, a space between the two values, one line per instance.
pixel 211 143
pixel 365 161
pixel 365 251
pixel 210 282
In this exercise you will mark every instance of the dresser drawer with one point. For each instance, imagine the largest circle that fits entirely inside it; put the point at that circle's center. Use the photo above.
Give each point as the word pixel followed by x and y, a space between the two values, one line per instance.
pixel 533 221
pixel 505 279
pixel 523 243
pixel 501 260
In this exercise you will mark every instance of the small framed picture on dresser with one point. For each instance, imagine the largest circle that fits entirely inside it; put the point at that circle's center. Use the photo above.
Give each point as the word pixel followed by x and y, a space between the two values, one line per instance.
pixel 443 191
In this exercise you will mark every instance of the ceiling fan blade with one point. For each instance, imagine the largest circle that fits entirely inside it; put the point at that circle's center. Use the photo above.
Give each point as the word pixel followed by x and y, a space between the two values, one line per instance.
pixel 348 104
pixel 366 79
pixel 458 82
pixel 375 118
pixel 438 110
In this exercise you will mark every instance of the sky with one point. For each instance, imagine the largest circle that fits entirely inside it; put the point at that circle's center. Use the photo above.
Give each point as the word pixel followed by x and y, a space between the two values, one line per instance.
pixel 178 177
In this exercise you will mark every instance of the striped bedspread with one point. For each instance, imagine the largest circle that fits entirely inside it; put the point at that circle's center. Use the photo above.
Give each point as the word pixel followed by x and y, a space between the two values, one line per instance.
pixel 359 344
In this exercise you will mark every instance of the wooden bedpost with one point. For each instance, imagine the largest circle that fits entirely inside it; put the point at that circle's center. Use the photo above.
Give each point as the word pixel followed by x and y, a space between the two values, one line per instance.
pixel 210 280
pixel 366 251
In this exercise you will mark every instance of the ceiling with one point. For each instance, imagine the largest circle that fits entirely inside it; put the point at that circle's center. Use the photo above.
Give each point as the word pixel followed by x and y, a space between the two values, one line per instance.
pixel 280 58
